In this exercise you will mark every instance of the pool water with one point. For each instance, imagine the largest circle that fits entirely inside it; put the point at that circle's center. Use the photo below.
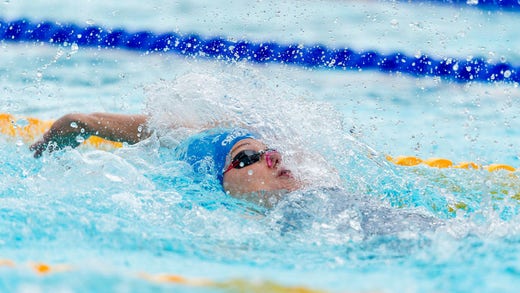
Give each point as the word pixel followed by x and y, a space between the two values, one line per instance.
pixel 116 220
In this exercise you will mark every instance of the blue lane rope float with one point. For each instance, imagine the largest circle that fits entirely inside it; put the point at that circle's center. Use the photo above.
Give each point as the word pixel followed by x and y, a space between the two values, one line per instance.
pixel 308 56
pixel 511 5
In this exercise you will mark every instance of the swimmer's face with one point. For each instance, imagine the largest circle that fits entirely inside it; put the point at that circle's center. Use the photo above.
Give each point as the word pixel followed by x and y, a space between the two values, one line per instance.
pixel 267 176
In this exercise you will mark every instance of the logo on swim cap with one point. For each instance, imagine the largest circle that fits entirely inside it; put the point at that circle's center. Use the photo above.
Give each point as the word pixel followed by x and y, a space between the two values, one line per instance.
pixel 236 133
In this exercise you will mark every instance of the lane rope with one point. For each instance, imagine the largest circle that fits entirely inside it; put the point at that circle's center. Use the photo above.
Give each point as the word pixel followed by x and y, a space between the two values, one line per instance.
pixel 28 129
pixel 474 69
pixel 511 5
pixel 232 285
pixel 441 163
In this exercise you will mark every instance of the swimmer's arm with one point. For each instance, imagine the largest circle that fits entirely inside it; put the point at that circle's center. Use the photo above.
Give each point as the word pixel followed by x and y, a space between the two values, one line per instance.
pixel 115 127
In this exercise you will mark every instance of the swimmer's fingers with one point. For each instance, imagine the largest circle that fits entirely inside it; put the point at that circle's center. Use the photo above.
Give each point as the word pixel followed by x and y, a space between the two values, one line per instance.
pixel 38 148
pixel 54 140
pixel 41 146
pixel 66 131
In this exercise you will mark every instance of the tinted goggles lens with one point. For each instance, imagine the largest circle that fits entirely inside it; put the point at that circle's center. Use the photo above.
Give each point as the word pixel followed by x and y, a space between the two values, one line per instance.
pixel 246 158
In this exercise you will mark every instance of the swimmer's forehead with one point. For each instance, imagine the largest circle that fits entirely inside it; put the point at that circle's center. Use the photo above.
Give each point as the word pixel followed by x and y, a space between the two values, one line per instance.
pixel 247 144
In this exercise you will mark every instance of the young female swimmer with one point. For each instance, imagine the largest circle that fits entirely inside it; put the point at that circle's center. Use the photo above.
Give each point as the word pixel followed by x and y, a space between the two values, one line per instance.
pixel 235 153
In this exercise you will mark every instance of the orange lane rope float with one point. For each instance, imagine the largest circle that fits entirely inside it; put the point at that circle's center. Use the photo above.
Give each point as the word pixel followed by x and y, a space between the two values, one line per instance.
pixel 233 285
pixel 29 129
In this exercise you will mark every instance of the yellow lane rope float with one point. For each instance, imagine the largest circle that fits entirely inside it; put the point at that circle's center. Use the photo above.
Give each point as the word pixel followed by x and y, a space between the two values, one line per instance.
pixel 445 163
pixel 233 285
pixel 29 129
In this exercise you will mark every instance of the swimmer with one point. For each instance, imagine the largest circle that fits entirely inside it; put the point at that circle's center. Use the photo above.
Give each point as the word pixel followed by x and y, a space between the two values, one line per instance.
pixel 245 167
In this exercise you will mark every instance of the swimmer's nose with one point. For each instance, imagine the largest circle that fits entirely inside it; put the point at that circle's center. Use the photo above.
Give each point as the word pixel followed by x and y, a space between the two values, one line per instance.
pixel 273 158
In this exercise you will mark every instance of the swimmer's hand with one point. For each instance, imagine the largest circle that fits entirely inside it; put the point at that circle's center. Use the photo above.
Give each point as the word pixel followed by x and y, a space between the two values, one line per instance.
pixel 68 130
pixel 72 129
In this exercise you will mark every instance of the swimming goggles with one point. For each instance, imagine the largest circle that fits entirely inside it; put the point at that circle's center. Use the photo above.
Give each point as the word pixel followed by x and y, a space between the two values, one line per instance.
pixel 249 157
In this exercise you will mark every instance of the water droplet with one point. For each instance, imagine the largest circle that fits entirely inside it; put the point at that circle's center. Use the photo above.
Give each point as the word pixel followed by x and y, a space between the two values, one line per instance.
pixel 241 165
pixel 80 139
pixel 507 73
pixel 59 53
pixel 113 177
pixel 456 66
pixel 250 172
pixel 74 48
pixel 74 124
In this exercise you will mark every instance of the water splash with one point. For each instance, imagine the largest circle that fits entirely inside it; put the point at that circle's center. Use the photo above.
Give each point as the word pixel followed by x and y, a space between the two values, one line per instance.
pixel 286 118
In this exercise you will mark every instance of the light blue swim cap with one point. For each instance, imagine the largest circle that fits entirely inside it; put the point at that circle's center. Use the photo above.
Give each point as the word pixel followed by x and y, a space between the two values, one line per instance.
pixel 207 151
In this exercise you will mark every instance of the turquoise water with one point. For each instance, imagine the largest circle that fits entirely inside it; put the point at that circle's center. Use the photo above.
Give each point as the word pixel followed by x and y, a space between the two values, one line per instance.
pixel 363 224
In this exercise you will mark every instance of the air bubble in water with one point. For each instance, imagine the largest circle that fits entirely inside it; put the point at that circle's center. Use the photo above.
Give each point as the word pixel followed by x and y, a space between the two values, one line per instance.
pixel 80 139
pixel 250 172
pixel 74 125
